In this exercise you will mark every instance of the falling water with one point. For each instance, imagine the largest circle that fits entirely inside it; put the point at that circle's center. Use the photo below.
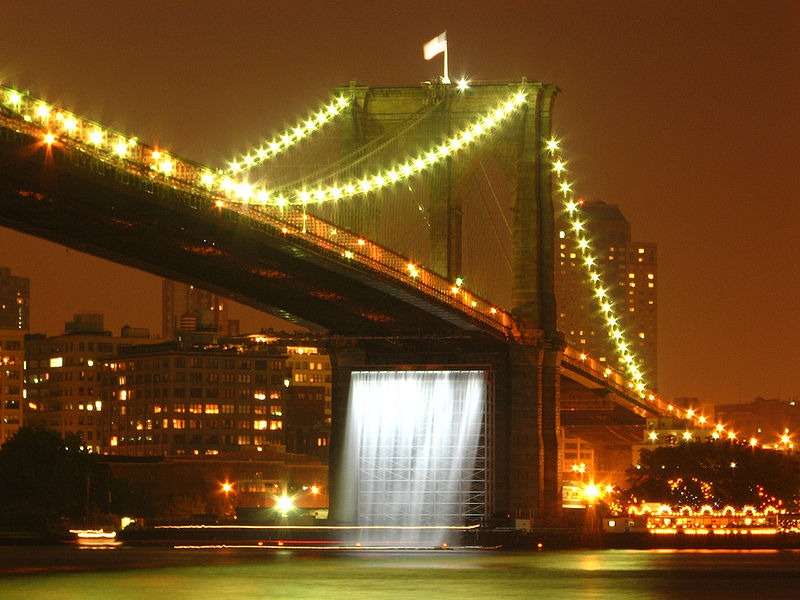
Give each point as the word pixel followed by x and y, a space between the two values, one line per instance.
pixel 414 453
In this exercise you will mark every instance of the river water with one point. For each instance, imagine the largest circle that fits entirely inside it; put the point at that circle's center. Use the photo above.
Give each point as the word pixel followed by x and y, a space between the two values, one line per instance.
pixel 68 573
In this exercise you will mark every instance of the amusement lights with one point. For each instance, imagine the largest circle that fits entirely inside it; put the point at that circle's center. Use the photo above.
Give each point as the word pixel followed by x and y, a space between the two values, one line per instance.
pixel 270 148
pixel 578 226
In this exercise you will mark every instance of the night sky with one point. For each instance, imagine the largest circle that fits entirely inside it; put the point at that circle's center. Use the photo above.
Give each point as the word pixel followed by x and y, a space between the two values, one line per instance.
pixel 686 114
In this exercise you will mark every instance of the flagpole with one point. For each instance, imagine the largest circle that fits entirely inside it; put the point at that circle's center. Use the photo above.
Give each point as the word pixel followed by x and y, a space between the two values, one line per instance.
pixel 446 78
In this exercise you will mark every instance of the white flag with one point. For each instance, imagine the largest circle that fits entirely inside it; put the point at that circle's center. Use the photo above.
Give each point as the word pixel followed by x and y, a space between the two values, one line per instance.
pixel 436 46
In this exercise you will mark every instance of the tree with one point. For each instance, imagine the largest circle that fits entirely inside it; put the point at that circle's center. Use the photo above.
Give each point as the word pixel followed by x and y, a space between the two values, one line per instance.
pixel 46 479
pixel 715 473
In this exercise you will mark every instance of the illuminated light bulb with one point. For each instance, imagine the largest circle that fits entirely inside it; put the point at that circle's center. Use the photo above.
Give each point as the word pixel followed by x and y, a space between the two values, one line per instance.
pixel 349 189
pixel 519 97
pixel 219 203
pixel 166 166
pixel 336 193
pixel 235 167
pixel 473 304
pixel 305 196
pixel 96 136
pixel 719 427
pixel 715 435
pixel 652 436
pixel 559 167
pixel 551 145
pixel 577 226
pixel 298 133
pixel 785 439
pixel 565 187
pixel 362 242
pixel 262 196
pixel 70 124
pixel 13 98
pixel 319 195
pixel 342 101
pixel 405 170
pixel 753 442
pixel 281 201
pixel 690 412
pixel 731 435
pixel 591 493
pixel 687 435
pixel 701 419
pixel 348 254
pixel 583 244
pixel 412 270
pixel 594 277
pixel 589 261
pixel 606 372
pixel 286 139
pixel 284 504
pixel 274 146
pixel 454 289
pixel 42 111
pixel 493 310
pixel 120 147
pixel 419 164
pixel 365 185
pixel 155 155
pixel 207 179
pixel 605 306
pixel 248 161
pixel 261 153
pixel 462 84
pixel 49 138
pixel 379 180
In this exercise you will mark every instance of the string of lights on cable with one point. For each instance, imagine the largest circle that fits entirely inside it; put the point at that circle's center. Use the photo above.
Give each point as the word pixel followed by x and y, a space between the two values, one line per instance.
pixel 579 231
pixel 305 128
pixel 245 192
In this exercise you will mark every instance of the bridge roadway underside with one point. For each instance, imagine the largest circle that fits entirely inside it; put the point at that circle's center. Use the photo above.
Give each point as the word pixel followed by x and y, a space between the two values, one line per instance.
pixel 374 322
pixel 71 199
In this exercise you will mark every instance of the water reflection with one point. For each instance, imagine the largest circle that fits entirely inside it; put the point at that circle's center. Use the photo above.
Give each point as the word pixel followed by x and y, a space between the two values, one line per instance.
pixel 130 573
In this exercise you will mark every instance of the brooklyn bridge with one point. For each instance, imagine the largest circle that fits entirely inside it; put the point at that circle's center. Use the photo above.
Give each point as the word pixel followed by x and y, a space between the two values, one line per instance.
pixel 352 222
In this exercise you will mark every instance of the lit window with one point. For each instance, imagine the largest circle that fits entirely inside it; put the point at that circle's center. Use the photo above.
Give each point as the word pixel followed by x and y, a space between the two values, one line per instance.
pixel 260 425
pixel 56 362
pixel 632 275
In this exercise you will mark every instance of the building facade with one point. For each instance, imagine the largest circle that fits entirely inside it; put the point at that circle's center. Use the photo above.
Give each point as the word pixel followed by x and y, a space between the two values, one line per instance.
pixel 630 271
pixel 14 301
pixel 188 308
pixel 197 397
pixel 12 391
pixel 63 379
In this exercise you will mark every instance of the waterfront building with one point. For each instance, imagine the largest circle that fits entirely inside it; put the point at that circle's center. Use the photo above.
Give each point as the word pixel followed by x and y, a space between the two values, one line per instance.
pixel 63 378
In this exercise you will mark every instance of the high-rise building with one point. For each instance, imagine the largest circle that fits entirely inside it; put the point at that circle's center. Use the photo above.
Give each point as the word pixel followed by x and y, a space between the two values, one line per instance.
pixel 14 322
pixel 63 378
pixel 188 308
pixel 14 301
pixel 630 272
pixel 12 392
